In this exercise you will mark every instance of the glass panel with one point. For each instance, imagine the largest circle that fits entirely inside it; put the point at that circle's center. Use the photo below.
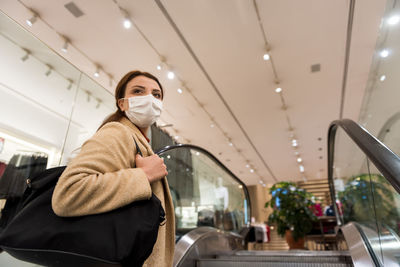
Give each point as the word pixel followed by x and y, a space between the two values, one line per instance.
pixel 93 104
pixel 203 192
pixel 387 207
pixel 366 197
pixel 353 188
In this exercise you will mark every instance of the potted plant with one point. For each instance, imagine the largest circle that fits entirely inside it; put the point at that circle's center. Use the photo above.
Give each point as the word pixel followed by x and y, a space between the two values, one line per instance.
pixel 292 212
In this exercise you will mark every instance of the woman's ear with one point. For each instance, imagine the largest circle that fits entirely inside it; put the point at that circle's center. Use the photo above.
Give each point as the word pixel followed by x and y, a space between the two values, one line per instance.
pixel 121 105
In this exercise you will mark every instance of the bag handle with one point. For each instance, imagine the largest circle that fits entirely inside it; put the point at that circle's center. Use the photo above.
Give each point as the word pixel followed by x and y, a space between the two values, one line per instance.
pixel 137 148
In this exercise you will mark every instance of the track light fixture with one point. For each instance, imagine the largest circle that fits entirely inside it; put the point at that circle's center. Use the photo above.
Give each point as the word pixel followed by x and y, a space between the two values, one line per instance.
pixel 32 20
pixel 26 56
pixel 127 22
pixel 97 72
pixel 98 103
pixel 49 70
pixel 65 46
pixel 70 84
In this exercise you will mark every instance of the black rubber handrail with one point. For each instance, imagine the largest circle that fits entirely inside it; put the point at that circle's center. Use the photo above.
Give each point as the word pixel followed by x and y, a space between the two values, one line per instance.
pixel 202 150
pixel 387 162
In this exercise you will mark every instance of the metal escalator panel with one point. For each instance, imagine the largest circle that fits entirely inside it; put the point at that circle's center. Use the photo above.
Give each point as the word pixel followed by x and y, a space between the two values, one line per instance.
pixel 364 177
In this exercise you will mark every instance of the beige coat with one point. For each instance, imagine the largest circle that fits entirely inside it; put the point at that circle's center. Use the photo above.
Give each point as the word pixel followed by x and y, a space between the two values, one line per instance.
pixel 101 178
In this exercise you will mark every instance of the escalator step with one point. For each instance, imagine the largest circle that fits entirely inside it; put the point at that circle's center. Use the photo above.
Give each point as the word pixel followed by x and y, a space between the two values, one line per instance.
pixel 299 259
pixel 230 263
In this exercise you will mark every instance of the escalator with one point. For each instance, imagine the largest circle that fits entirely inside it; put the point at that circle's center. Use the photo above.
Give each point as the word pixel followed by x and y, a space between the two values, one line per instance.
pixel 213 206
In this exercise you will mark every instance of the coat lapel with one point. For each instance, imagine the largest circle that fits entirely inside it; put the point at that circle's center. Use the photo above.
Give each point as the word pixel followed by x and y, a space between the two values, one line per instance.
pixel 140 139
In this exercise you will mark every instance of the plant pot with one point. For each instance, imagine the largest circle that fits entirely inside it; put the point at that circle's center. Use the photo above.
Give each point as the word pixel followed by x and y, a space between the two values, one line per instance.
pixel 299 244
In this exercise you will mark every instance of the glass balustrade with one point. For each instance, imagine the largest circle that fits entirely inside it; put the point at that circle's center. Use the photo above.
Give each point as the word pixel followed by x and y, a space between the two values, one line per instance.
pixel 204 192
pixel 363 195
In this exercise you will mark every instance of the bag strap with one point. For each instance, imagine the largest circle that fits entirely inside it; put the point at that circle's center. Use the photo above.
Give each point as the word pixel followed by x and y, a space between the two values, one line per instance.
pixel 137 148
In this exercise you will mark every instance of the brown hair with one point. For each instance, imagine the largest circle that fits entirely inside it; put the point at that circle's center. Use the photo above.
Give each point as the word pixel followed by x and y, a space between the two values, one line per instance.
pixel 120 93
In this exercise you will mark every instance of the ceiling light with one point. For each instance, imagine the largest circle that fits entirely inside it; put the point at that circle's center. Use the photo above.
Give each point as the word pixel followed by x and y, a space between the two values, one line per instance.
pixel 168 156
pixel 176 137
pixel 48 72
pixel 240 186
pixel 294 143
pixel 70 84
pixel 301 167
pixel 197 153
pixel 65 47
pixel 393 20
pixel 247 166
pixel 278 90
pixel 32 20
pixel 230 144
pixel 26 56
pixel 251 170
pixel 261 182
pixel 171 75
pixel 127 23
pixel 97 72
pixel 299 160
pixel 382 78
pixel 296 153
pixel 212 125
pixel 98 103
pixel 158 67
pixel 266 56
pixel 180 90
pixel 384 53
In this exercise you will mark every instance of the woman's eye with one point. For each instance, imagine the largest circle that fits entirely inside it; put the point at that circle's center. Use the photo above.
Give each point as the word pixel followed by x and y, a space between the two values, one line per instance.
pixel 137 91
pixel 157 95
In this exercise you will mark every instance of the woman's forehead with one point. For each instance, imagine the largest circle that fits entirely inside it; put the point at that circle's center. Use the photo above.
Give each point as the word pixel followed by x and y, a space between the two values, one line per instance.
pixel 143 81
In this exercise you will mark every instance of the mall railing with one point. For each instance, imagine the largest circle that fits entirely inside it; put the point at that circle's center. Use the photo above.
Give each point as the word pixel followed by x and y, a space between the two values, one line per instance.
pixel 204 191
pixel 364 180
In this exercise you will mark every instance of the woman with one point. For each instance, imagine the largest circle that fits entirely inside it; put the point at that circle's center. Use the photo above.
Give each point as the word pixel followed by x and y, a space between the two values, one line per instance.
pixel 102 178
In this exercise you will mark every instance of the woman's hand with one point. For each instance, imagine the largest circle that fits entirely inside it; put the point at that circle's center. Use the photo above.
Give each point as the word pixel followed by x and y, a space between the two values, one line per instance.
pixel 153 166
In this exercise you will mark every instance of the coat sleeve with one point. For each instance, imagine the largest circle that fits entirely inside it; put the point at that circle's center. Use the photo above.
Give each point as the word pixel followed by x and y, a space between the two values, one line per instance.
pixel 101 177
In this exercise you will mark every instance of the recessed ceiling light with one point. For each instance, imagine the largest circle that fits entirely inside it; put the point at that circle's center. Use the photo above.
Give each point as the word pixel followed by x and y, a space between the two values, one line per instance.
pixel 296 153
pixel 247 166
pixel 266 56
pixel 251 170
pixel 384 53
pixel 230 144
pixel 180 90
pixel 197 153
pixel 240 186
pixel 382 78
pixel 278 90
pixel 393 20
pixel 168 156
pixel 299 160
pixel 261 182
pixel 212 125
pixel 171 75
pixel 158 67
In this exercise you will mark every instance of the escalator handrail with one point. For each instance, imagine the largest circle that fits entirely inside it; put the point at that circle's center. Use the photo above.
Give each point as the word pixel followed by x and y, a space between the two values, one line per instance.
pixel 200 149
pixel 387 162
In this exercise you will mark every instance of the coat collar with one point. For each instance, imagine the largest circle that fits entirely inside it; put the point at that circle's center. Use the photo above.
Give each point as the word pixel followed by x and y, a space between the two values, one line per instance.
pixel 138 135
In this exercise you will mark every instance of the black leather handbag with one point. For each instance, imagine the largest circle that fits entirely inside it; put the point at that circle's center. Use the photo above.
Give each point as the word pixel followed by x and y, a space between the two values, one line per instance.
pixel 122 237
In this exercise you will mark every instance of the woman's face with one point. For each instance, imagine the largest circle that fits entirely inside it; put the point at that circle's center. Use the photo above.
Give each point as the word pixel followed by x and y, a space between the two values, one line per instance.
pixel 140 86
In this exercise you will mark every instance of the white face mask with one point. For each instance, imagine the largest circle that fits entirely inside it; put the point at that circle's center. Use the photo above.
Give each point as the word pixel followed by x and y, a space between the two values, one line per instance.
pixel 143 110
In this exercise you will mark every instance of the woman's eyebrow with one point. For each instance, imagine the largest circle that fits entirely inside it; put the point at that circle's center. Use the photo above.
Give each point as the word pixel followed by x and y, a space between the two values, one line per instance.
pixel 138 86
pixel 156 89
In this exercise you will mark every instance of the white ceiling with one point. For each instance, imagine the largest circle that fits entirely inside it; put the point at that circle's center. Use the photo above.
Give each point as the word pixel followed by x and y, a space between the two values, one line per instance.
pixel 223 57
